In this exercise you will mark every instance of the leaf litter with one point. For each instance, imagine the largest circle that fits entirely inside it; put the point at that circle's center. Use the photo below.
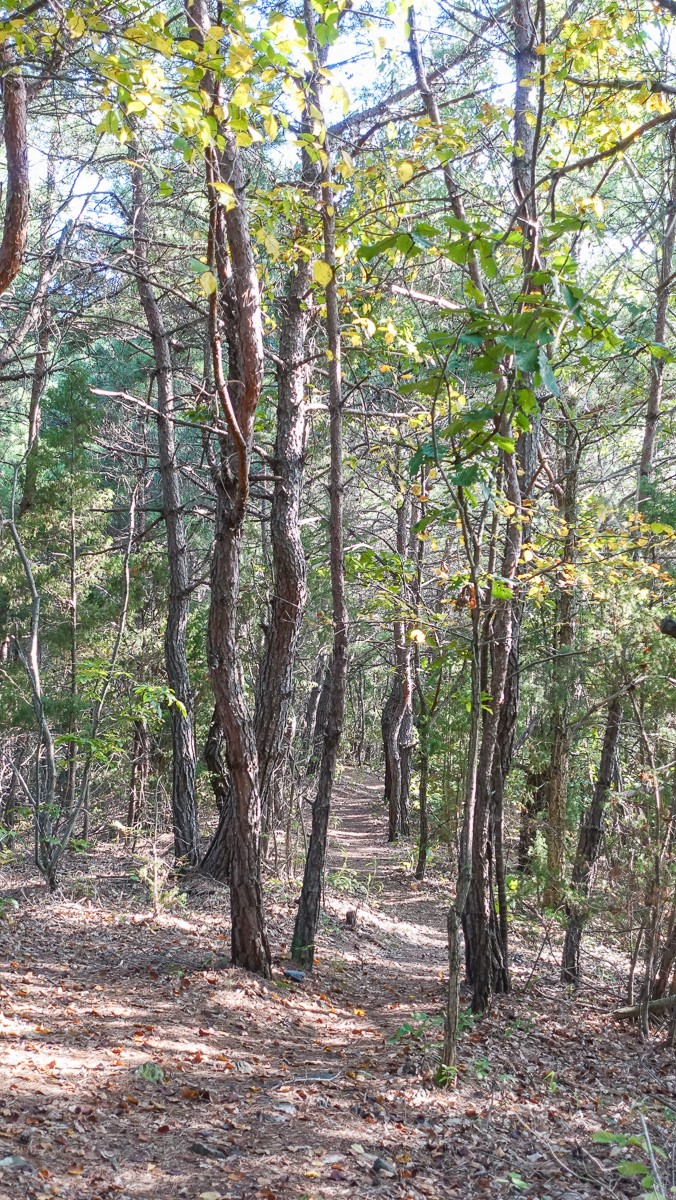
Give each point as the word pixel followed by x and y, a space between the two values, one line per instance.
pixel 136 1064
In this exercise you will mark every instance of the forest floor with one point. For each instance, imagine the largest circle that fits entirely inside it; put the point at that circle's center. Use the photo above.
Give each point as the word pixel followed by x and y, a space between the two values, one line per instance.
pixel 135 1063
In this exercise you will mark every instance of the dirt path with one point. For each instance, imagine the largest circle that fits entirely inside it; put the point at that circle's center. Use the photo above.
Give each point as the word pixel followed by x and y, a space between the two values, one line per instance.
pixel 134 1063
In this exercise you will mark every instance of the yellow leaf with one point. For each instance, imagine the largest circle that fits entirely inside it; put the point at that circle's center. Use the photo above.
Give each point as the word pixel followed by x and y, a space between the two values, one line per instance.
pixel 240 96
pixel 322 273
pixel 208 282
pixel 417 636
pixel 405 171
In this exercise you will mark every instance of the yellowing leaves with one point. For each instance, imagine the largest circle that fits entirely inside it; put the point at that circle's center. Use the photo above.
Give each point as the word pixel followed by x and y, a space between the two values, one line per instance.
pixel 417 636
pixel 405 171
pixel 76 25
pixel 208 283
pixel 322 272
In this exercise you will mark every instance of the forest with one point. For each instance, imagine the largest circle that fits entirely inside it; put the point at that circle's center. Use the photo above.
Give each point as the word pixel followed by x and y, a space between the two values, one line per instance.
pixel 337 599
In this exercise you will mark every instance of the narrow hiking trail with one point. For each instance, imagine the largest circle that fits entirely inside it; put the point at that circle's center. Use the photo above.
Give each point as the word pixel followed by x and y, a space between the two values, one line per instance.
pixel 135 1063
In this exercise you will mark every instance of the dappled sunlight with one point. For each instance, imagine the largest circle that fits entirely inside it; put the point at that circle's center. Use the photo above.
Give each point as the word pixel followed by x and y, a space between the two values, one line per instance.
pixel 137 1064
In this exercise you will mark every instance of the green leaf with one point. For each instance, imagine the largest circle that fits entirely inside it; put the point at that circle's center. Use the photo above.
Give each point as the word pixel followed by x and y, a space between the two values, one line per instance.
pixel 425 453
pixel 466 476
pixel 573 301
pixel 501 590
pixel 547 376
pixel 629 1169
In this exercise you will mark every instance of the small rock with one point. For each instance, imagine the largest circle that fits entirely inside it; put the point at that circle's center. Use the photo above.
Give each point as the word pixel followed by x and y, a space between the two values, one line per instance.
pixel 15 1160
pixel 387 1168
pixel 206 1151
pixel 284 1107
pixel 293 975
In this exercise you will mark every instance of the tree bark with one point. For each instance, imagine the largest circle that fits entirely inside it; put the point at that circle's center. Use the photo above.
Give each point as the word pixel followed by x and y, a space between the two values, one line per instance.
pixel 589 845
pixel 535 803
pixel 234 309
pixel 562 678
pixel 140 768
pixel 478 916
pixel 274 690
pixel 17 202
pixel 216 860
pixel 320 717
pixel 665 285
pixel 183 802
pixel 307 919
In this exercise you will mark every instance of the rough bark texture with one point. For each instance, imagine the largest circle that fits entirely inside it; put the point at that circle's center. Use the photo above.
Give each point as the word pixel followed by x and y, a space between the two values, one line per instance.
pixel 320 717
pixel 183 805
pixel 274 689
pixel 234 311
pixel 589 847
pixel 216 860
pixel 307 919
pixel 17 202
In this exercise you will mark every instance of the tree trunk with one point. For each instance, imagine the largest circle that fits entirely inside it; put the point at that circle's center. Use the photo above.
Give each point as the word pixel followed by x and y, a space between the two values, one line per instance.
pixel 406 745
pixel 17 194
pixel 665 286
pixel 307 919
pixel 423 777
pixel 214 757
pixel 274 690
pixel 320 718
pixel 140 769
pixel 183 804
pixel 562 678
pixel 589 847
pixel 234 312
pixel 535 803
pixel 479 954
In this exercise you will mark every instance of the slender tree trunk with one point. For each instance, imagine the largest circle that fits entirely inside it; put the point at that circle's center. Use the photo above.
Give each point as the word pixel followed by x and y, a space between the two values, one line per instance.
pixel 423 780
pixel 562 679
pixel 35 411
pixel 478 917
pixel 214 757
pixel 406 744
pixel 307 919
pixel 665 285
pixel 457 908
pixel 234 310
pixel 216 860
pixel 183 804
pixel 274 690
pixel 320 719
pixel 17 194
pixel 140 769
pixel 535 803
pixel 589 846
pixel 311 706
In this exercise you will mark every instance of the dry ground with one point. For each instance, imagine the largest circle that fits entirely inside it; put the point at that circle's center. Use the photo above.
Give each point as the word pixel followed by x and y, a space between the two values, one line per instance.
pixel 135 1063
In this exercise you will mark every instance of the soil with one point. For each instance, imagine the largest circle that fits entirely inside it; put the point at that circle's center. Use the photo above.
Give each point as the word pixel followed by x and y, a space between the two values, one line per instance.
pixel 136 1063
